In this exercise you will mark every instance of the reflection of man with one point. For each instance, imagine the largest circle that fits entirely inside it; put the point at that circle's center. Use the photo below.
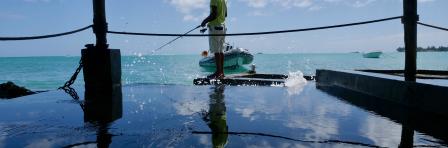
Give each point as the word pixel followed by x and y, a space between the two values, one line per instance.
pixel 216 25
pixel 216 118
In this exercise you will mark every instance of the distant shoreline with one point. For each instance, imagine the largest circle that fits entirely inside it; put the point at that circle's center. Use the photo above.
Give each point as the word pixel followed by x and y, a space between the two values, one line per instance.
pixel 427 49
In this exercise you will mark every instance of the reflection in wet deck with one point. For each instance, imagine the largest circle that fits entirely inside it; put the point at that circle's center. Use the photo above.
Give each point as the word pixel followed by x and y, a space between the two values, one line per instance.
pixel 231 116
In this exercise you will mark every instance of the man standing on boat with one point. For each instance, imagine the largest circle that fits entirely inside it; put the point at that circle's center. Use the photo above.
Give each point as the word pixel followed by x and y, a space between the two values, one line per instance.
pixel 216 25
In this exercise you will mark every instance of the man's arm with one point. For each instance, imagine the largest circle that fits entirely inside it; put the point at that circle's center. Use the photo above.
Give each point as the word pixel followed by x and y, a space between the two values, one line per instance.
pixel 213 15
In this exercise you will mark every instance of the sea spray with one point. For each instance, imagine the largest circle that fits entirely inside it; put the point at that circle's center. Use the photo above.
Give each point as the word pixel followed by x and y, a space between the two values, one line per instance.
pixel 295 83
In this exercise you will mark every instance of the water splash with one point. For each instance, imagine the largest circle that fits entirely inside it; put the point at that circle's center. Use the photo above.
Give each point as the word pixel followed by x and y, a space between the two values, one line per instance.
pixel 295 83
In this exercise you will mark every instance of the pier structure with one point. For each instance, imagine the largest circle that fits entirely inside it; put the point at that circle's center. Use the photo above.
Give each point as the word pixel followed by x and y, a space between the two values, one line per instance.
pixel 102 65
pixel 414 103
pixel 102 73
pixel 421 90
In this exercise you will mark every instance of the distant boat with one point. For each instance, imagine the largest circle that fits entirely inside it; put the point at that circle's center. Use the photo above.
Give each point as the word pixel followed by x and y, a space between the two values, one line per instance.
pixel 375 54
pixel 233 57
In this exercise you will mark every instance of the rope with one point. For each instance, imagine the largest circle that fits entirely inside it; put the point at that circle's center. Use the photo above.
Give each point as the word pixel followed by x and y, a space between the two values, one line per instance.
pixel 432 26
pixel 257 33
pixel 44 36
pixel 287 138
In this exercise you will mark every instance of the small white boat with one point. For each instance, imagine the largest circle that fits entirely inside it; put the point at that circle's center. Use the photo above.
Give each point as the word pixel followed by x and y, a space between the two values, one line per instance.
pixel 375 54
pixel 233 57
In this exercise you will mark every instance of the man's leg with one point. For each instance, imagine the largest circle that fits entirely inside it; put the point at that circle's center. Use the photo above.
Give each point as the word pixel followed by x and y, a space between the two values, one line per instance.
pixel 221 53
pixel 221 65
pixel 216 45
pixel 219 61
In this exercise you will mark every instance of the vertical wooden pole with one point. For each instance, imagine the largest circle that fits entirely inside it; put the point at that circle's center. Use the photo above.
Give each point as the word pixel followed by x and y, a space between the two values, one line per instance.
pixel 102 72
pixel 410 18
pixel 100 23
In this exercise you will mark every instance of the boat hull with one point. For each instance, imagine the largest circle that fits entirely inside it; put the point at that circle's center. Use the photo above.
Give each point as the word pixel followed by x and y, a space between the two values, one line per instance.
pixel 372 54
pixel 233 58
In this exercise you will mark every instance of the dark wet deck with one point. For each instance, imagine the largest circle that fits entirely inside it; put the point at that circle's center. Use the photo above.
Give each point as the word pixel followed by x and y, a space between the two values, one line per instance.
pixel 234 116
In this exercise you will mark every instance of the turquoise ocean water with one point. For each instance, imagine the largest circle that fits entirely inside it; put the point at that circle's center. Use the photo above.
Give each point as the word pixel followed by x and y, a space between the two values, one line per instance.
pixel 47 73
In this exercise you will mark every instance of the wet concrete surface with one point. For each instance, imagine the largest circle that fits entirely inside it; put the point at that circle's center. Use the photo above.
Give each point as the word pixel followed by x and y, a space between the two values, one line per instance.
pixel 153 115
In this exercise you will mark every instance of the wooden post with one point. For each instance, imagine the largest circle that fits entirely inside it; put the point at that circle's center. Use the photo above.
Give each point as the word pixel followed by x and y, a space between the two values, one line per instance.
pixel 410 18
pixel 101 65
pixel 100 23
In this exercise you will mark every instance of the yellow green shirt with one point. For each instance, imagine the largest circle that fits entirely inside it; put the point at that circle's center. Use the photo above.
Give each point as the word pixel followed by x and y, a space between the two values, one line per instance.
pixel 221 6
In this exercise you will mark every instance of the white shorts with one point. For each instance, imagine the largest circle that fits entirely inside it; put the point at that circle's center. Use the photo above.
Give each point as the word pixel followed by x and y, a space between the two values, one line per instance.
pixel 216 43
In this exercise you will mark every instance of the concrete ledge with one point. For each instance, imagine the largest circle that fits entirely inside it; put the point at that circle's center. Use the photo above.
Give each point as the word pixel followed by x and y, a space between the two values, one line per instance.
pixel 421 74
pixel 427 97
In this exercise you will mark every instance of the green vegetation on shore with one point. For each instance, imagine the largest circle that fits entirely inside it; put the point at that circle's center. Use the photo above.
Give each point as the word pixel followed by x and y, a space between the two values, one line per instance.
pixel 427 49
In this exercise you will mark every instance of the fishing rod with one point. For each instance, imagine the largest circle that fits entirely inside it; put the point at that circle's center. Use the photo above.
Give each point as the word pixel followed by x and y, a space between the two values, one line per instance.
pixel 177 38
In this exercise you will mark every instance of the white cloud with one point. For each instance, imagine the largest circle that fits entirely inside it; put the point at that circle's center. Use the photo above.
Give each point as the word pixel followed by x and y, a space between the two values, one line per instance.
pixel 283 3
pixel 424 1
pixel 193 10
pixel 187 6
pixel 11 16
pixel 297 3
pixel 41 143
pixel 315 8
pixel 189 17
pixel 311 5
pixel 246 112
pixel 361 3
pixel 37 1
pixel 256 3
pixel 352 3
pixel 332 0
pixel 196 18
pixel 382 132
pixel 187 107
pixel 258 13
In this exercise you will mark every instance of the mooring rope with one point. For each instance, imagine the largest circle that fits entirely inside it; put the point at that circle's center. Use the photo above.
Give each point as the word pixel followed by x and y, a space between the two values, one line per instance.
pixel 200 35
pixel 432 26
pixel 258 33
pixel 44 36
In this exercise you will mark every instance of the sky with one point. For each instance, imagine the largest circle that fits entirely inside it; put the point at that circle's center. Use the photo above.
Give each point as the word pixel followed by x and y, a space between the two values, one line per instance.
pixel 38 17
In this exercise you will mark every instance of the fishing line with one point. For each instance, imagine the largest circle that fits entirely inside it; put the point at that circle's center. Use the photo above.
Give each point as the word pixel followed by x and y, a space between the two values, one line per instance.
pixel 176 39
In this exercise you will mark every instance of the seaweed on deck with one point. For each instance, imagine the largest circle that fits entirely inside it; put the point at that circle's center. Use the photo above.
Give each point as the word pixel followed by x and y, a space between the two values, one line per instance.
pixel 10 90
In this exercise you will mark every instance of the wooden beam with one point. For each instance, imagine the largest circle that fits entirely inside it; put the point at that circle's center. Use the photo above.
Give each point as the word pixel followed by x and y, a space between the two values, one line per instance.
pixel 100 23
